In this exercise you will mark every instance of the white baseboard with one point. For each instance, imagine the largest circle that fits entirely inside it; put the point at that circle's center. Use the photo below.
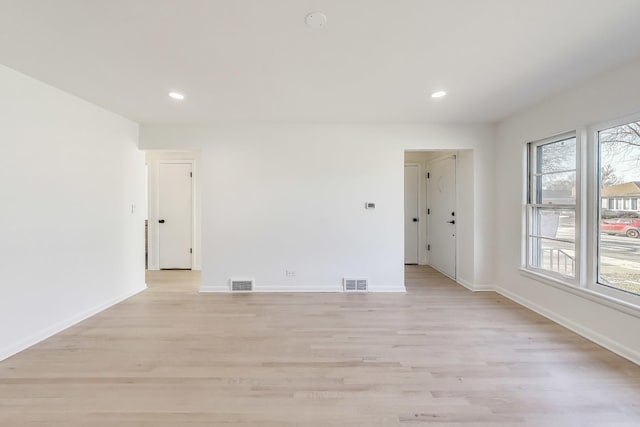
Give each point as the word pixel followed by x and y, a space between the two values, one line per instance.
pixel 475 288
pixel 484 288
pixel 587 333
pixel 25 343
pixel 299 289
pixel 467 284
pixel 401 290
pixel 441 272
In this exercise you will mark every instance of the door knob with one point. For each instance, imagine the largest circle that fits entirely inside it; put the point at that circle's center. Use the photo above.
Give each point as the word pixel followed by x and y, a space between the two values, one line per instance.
pixel 161 221
pixel 415 219
pixel 452 222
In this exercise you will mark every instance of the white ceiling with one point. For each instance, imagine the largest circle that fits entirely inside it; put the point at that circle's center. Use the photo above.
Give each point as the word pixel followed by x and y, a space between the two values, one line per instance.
pixel 376 60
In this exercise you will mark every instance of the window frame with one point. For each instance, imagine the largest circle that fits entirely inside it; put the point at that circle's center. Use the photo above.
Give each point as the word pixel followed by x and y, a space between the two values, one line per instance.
pixel 529 207
pixel 595 211
pixel 588 212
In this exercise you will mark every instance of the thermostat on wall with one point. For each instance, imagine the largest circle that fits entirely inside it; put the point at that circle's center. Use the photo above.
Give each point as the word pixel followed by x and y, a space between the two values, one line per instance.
pixel 369 205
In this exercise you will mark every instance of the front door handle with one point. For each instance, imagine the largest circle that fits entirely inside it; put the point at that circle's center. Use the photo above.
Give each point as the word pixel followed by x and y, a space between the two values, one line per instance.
pixel 161 221
pixel 452 221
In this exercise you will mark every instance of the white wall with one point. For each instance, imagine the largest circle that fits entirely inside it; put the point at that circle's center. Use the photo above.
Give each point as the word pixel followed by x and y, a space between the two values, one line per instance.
pixel 612 95
pixel 291 197
pixel 153 160
pixel 468 198
pixel 70 245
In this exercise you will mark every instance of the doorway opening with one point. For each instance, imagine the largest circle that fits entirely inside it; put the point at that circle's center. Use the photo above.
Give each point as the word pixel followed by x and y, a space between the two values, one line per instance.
pixel 431 210
pixel 146 216
pixel 173 212
pixel 412 173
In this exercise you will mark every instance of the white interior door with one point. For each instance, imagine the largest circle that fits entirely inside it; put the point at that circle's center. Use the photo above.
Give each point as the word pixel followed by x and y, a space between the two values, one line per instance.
pixel 174 215
pixel 441 204
pixel 411 213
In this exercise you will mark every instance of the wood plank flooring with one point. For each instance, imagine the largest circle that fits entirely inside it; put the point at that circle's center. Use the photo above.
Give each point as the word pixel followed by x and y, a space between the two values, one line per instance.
pixel 438 355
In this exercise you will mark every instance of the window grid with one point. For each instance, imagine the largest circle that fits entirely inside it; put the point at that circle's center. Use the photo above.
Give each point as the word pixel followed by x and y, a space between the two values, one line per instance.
pixel 586 245
pixel 551 207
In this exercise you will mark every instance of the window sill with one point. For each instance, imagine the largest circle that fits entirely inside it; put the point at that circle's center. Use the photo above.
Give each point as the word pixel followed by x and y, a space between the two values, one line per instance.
pixel 606 300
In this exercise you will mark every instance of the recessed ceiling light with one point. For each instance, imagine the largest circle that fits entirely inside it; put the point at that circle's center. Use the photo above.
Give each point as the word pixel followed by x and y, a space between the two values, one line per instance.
pixel 316 20
pixel 176 95
pixel 438 94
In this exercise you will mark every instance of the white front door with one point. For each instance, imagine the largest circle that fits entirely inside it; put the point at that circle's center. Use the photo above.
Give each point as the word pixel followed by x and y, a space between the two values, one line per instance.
pixel 441 205
pixel 174 215
pixel 411 211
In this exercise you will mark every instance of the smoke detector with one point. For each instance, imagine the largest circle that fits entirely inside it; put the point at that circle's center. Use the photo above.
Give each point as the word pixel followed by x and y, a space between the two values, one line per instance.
pixel 316 20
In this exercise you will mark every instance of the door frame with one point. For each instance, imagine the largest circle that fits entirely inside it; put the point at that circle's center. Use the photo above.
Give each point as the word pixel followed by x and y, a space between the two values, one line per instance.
pixel 457 195
pixel 421 190
pixel 156 232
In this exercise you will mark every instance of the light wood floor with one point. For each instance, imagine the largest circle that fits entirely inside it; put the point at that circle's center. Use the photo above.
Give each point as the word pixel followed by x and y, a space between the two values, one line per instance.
pixel 438 355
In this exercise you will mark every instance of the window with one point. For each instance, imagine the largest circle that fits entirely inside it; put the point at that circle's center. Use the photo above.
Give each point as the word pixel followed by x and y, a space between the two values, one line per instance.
pixel 618 244
pixel 586 235
pixel 551 206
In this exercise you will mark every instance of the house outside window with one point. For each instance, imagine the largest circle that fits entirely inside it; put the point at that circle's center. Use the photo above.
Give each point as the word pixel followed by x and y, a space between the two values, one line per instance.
pixel 618 242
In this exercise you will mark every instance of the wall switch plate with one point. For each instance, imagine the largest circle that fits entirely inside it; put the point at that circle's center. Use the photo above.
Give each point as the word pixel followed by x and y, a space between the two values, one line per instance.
pixel 369 205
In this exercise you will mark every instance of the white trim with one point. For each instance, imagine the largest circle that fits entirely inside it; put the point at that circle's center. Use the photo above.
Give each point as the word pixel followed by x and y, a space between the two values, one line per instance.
pixel 588 208
pixel 555 137
pixel 475 288
pixel 524 211
pixel 615 294
pixel 590 334
pixel 591 283
pixel 450 153
pixel 194 216
pixel 579 240
pixel 583 200
pixel 464 283
pixel 529 205
pixel 484 288
pixel 619 121
pixel 301 288
pixel 34 339
pixel 423 254
pixel 597 297
pixel 443 273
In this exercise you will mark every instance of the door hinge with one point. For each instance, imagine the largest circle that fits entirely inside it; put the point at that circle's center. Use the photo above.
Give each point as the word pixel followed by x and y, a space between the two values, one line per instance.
pixel 428 211
pixel 428 175
pixel 428 247
pixel 190 174
pixel 190 250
